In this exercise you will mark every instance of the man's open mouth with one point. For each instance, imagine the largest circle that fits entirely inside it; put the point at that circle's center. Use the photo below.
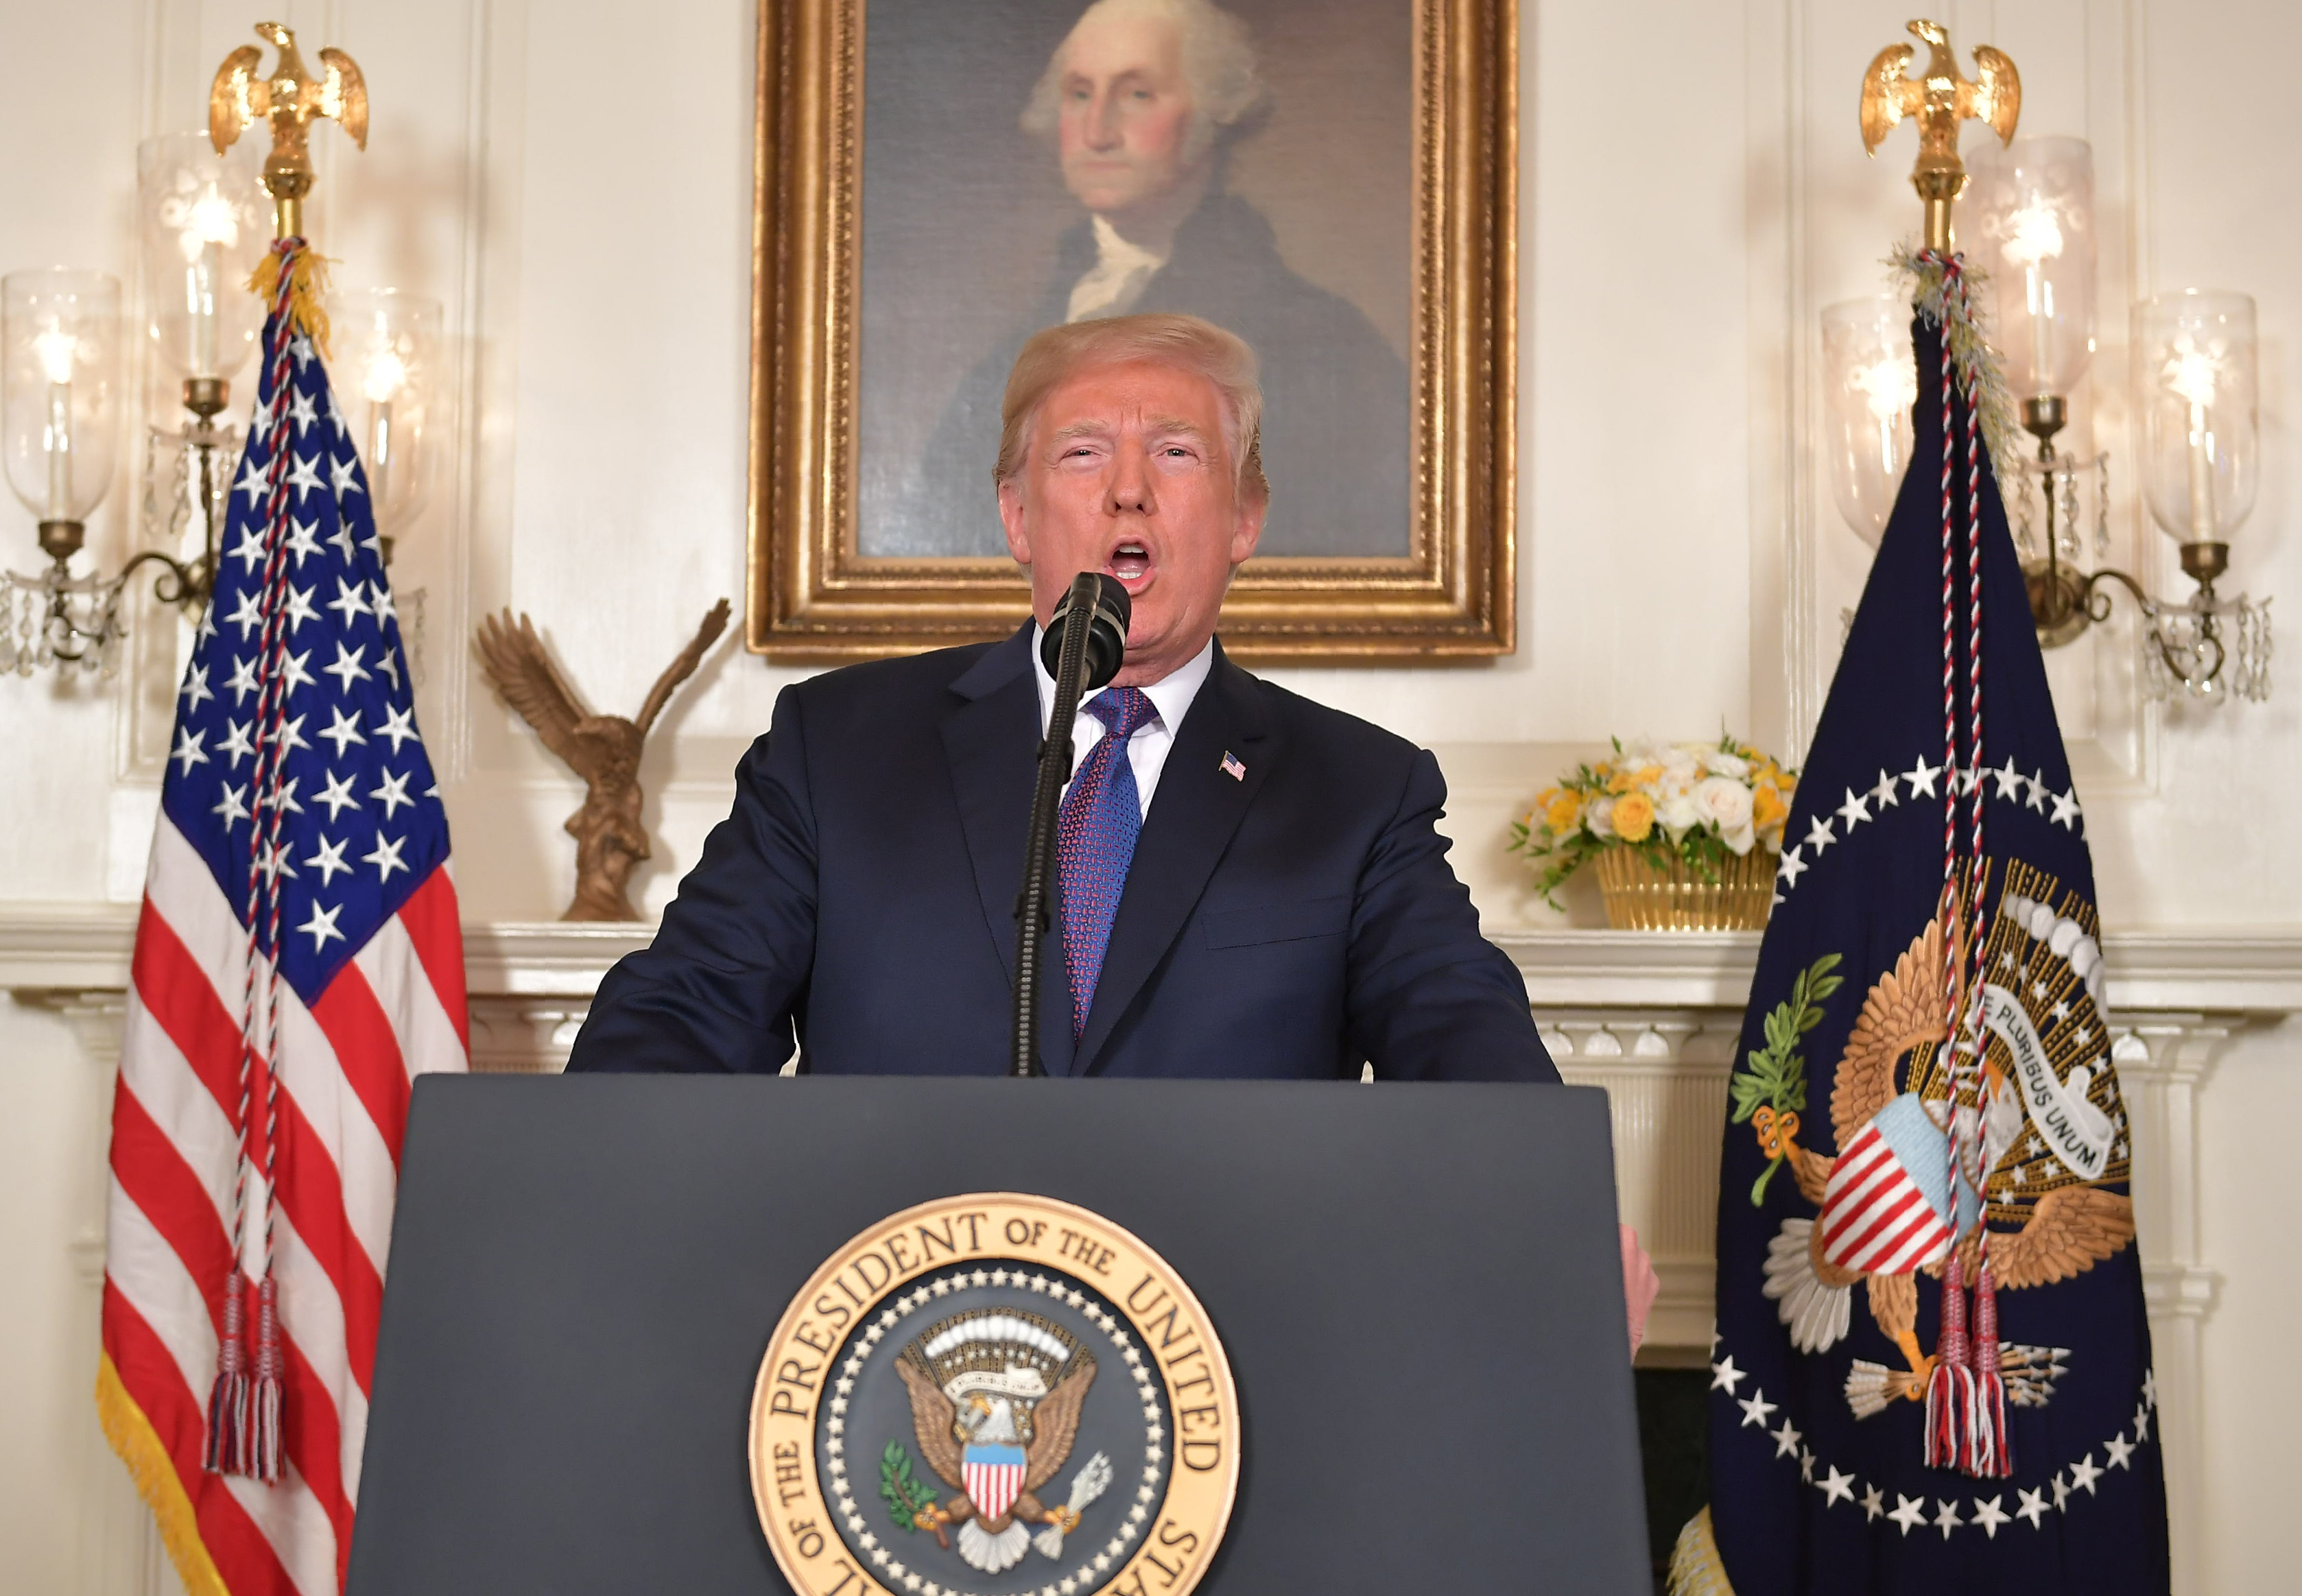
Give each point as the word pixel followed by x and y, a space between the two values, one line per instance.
pixel 1130 562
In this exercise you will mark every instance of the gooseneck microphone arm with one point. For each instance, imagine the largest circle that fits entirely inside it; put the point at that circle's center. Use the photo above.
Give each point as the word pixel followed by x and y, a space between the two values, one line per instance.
pixel 1085 645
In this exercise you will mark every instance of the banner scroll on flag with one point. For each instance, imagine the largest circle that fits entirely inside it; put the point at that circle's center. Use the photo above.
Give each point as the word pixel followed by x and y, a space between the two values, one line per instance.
pixel 1932 1371
pixel 298 961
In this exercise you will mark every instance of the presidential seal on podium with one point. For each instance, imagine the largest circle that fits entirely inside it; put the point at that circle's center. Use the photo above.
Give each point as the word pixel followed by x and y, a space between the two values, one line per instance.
pixel 994 1395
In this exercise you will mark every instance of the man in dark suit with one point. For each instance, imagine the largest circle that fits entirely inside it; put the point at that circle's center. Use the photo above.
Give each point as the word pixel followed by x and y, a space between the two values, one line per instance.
pixel 1251 884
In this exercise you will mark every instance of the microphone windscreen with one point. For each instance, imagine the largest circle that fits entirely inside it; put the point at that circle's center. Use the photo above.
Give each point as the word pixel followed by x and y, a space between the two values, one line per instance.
pixel 1107 619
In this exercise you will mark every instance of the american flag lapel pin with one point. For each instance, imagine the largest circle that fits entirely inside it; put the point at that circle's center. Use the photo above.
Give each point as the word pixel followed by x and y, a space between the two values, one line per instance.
pixel 1232 768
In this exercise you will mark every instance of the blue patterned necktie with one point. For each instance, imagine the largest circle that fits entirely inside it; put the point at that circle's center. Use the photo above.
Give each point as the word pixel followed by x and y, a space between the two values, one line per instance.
pixel 1103 814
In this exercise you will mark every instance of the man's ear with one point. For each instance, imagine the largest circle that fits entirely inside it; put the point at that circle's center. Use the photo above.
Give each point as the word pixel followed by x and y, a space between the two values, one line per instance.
pixel 1010 516
pixel 1246 531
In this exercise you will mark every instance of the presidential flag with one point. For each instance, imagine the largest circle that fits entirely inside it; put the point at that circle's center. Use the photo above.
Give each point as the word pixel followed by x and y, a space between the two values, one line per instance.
pixel 298 963
pixel 1932 1371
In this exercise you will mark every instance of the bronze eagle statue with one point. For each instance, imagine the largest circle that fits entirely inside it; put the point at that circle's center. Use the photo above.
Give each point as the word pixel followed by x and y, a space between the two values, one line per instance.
pixel 604 750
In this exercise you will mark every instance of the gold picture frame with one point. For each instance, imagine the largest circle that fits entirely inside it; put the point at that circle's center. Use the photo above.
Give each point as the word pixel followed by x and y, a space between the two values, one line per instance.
pixel 814 597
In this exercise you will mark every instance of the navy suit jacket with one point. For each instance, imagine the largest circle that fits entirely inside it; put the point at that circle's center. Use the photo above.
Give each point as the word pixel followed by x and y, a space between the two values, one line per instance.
pixel 1288 923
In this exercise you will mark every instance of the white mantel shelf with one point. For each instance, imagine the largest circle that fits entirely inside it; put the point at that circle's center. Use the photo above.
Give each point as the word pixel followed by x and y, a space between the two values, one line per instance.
pixel 2218 971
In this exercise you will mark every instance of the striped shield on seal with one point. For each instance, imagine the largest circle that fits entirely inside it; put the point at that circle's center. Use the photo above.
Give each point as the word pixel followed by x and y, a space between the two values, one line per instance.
pixel 993 1478
pixel 1886 1208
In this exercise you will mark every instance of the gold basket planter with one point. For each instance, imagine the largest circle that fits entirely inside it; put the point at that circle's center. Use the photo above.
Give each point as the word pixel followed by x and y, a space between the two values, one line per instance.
pixel 1643 897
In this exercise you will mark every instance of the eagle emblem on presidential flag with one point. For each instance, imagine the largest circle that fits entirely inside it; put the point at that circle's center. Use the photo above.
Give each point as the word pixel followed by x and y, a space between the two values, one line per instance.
pixel 2052 1134
pixel 995 1400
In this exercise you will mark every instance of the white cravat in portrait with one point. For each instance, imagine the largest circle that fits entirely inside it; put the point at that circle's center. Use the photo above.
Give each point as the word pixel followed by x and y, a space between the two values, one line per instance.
pixel 1120 272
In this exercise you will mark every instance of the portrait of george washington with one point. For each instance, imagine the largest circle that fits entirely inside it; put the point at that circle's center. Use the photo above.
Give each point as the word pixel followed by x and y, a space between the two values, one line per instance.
pixel 1029 163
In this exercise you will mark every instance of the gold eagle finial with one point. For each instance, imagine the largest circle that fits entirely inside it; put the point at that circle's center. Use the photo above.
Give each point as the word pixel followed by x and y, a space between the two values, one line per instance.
pixel 1940 99
pixel 289 97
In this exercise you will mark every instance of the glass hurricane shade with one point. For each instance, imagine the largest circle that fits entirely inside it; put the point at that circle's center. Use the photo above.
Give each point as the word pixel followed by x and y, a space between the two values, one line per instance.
pixel 387 347
pixel 2202 450
pixel 2033 210
pixel 59 388
pixel 205 222
pixel 1869 387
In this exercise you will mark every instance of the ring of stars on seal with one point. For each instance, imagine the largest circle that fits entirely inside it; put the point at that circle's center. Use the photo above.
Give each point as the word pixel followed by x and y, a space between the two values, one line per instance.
pixel 994 1395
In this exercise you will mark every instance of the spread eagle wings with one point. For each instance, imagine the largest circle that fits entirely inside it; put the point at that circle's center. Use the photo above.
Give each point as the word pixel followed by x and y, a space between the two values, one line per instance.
pixel 1995 93
pixel 525 674
pixel 343 96
pixel 683 667
pixel 1055 1422
pixel 1888 94
pixel 2072 1229
pixel 1904 1009
pixel 932 1414
pixel 240 96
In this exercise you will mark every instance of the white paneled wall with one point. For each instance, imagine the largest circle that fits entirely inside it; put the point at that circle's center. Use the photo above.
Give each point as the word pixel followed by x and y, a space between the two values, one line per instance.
pixel 1693 192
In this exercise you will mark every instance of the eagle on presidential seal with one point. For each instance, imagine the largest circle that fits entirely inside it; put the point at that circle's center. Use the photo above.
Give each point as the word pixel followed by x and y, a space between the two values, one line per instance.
pixel 2054 1137
pixel 995 1399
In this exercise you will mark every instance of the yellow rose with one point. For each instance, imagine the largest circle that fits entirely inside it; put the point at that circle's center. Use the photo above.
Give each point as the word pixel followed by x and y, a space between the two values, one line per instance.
pixel 1561 812
pixel 1767 808
pixel 1633 817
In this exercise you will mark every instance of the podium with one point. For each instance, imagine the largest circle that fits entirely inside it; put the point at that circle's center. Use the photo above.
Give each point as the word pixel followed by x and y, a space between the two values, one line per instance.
pixel 1416 1287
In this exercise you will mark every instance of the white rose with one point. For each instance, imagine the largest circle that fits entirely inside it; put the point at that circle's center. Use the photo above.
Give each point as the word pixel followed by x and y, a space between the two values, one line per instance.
pixel 1679 814
pixel 1599 817
pixel 1724 802
pixel 1681 768
pixel 1741 840
pixel 1720 762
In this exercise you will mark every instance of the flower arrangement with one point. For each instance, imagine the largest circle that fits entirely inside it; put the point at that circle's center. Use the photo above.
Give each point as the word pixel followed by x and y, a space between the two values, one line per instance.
pixel 1696 804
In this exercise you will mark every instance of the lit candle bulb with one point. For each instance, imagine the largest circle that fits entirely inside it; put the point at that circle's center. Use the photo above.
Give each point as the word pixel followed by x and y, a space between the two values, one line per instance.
pixel 2037 238
pixel 387 374
pixel 54 349
pixel 1890 387
pixel 2191 374
pixel 213 226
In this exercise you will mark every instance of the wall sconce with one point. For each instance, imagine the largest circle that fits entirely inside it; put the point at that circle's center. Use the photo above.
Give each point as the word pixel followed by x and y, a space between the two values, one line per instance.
pixel 205 222
pixel 2201 462
pixel 1870 385
pixel 60 412
pixel 2034 239
pixel 386 353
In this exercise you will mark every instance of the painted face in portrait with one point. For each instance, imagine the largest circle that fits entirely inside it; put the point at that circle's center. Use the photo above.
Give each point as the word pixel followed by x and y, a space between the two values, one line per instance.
pixel 1124 129
pixel 1130 471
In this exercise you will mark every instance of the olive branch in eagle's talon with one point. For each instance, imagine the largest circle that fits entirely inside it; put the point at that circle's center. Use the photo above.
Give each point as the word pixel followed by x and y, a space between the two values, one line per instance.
pixel 1771 1090
pixel 911 1504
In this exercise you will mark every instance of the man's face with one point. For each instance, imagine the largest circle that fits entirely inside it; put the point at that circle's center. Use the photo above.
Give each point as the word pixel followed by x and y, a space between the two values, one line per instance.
pixel 1128 473
pixel 1126 111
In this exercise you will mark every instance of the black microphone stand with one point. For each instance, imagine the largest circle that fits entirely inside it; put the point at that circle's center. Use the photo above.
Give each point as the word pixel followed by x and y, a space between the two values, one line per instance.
pixel 1076 621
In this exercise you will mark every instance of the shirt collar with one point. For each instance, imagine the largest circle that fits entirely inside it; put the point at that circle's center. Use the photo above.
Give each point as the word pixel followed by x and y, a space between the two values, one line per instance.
pixel 1170 695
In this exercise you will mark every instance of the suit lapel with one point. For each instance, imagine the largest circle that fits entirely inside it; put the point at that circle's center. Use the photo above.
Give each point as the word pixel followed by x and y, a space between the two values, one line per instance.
pixel 1195 811
pixel 991 739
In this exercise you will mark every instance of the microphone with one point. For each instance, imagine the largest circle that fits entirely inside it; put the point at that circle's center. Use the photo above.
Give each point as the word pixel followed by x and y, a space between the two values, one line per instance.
pixel 1085 646
pixel 1105 603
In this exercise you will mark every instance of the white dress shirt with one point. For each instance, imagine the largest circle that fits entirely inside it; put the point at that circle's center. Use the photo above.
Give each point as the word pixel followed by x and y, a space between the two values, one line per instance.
pixel 1111 286
pixel 1147 748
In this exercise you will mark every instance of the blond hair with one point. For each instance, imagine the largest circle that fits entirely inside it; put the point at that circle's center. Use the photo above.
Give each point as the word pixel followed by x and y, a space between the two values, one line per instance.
pixel 1053 356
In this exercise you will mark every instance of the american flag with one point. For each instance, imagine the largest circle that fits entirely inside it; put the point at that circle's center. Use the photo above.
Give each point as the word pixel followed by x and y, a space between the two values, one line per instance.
pixel 298 963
